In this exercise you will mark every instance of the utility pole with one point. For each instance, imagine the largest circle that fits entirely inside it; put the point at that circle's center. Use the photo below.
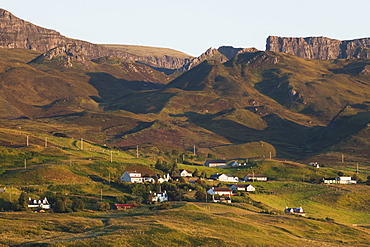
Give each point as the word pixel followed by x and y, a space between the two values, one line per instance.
pixel 25 164
pixel 194 151
pixel 342 158
pixel 357 168
pixel 109 178
pixel 111 156
pixel 270 155
pixel 137 151
pixel 46 142
pixel 27 143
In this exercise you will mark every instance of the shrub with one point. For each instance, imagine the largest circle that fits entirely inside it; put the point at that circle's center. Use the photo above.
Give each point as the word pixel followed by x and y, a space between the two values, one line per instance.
pixel 102 206
pixel 77 205
pixel 164 205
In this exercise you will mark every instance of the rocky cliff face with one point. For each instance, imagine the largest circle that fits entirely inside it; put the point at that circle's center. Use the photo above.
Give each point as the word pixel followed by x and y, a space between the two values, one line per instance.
pixel 320 47
pixel 17 33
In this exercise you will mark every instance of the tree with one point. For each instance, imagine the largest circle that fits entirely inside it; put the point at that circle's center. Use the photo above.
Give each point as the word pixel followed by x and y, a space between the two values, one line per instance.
pixel 368 180
pixel 340 173
pixel 163 166
pixel 196 173
pixel 201 195
pixel 148 197
pixel 59 203
pixel 175 195
pixel 22 203
pixel 211 156
pixel 102 206
pixel 121 199
pixel 77 205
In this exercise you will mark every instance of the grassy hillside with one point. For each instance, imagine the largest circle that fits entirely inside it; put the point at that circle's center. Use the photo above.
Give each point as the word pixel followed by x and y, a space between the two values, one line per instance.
pixel 143 227
pixel 84 170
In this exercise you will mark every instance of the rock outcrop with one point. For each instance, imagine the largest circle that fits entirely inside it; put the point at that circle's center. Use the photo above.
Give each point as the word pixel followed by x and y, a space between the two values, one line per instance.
pixel 222 54
pixel 320 47
pixel 17 33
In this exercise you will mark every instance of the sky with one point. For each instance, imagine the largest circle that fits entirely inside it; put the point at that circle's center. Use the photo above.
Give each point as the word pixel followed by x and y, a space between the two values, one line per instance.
pixel 193 26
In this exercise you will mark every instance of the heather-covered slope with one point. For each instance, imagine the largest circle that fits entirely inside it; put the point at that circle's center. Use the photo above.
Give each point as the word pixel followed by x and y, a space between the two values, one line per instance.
pixel 67 83
pixel 278 98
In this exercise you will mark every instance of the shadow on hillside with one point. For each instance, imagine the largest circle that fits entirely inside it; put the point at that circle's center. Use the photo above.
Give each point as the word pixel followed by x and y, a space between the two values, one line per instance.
pixel 134 96
pixel 139 127
pixel 286 136
pixel 5 205
pixel 354 68
pixel 110 87
pixel 291 140
pixel 141 102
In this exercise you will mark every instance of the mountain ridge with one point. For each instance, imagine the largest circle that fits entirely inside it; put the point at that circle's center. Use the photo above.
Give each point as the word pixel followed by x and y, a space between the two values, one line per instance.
pixel 17 33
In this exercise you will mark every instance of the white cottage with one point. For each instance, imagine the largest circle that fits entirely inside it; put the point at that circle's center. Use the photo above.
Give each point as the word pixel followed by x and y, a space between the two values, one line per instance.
pixel 185 173
pixel 243 187
pixel 132 177
pixel 160 197
pixel 225 177
pixel 44 203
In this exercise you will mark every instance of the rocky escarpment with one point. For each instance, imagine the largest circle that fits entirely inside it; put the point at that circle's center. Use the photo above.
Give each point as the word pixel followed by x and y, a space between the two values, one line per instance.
pixel 320 47
pixel 222 54
pixel 17 33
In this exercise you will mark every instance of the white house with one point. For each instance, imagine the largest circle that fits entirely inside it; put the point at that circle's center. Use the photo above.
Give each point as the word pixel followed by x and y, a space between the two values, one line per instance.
pixel 160 197
pixel 165 178
pixel 243 187
pixel 44 203
pixel 314 164
pixel 225 177
pixel 253 177
pixel 346 180
pixel 298 211
pixel 220 191
pixel 132 177
pixel 185 173
pixel 220 194
pixel 339 180
pixel 215 163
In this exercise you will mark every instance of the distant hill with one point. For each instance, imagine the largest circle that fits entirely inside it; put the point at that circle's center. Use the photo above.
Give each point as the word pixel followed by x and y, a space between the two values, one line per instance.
pixel 17 33
pixel 259 103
